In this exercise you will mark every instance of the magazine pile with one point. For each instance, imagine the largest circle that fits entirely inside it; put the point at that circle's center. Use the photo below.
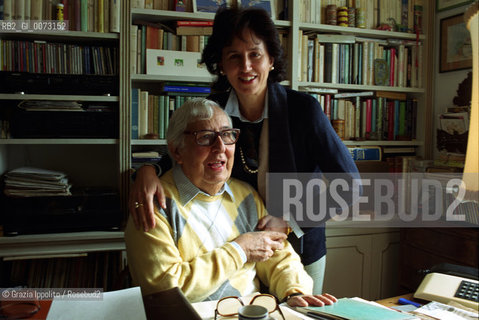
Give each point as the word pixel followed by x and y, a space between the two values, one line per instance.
pixel 35 182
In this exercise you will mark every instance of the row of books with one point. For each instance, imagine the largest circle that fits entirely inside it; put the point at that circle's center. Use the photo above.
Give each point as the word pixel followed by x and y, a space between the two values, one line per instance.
pixel 327 58
pixel 147 36
pixel 59 58
pixel 407 14
pixel 95 270
pixel 150 113
pixel 82 15
pixel 373 117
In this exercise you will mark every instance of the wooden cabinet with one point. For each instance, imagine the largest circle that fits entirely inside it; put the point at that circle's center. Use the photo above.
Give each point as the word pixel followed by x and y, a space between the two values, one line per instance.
pixel 422 248
pixel 362 262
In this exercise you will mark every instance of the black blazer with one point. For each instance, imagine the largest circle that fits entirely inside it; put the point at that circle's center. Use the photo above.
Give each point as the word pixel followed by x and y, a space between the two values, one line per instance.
pixel 301 139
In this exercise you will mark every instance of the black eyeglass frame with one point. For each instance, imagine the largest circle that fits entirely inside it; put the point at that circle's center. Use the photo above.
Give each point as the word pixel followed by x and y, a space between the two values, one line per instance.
pixel 217 134
pixel 250 303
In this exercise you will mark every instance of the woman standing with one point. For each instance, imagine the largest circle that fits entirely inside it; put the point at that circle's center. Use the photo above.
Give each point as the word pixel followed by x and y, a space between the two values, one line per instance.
pixel 282 130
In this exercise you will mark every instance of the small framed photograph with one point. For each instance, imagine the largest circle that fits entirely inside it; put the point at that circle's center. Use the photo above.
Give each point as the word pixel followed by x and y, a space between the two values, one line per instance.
pixel 210 6
pixel 264 4
pixel 449 4
pixel 455 44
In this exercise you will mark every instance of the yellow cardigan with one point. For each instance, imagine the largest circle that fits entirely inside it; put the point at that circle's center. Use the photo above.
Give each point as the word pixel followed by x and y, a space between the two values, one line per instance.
pixel 186 249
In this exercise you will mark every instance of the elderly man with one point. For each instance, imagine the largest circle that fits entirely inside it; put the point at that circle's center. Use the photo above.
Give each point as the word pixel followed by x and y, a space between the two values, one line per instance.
pixel 205 242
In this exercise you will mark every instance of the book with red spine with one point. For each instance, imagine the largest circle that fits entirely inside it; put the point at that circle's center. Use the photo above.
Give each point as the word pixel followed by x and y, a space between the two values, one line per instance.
pixel 195 23
pixel 392 69
pixel 327 105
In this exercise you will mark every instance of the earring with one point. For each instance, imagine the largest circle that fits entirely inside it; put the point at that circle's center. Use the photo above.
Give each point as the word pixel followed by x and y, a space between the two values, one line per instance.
pixel 222 72
pixel 271 69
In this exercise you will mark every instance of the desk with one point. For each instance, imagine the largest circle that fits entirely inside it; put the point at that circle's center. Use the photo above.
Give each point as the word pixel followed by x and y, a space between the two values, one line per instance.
pixel 393 301
pixel 206 309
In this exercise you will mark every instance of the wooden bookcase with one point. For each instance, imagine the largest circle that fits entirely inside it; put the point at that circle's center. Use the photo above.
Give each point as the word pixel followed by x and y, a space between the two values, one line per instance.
pixel 95 161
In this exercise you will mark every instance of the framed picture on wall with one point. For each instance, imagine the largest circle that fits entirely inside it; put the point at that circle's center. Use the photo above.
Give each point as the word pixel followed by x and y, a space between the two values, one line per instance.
pixel 449 4
pixel 209 5
pixel 265 4
pixel 455 44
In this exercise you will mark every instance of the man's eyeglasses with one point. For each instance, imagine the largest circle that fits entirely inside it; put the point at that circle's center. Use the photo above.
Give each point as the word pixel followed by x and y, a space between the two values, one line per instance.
pixel 228 306
pixel 207 138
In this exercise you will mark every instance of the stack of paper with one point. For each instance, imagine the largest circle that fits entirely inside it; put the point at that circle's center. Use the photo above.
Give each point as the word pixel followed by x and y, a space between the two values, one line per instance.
pixel 34 182
pixel 123 304
pixel 41 105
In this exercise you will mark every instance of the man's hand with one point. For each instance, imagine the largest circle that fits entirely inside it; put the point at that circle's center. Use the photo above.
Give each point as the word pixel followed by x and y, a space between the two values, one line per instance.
pixel 305 300
pixel 272 223
pixel 260 246
pixel 144 189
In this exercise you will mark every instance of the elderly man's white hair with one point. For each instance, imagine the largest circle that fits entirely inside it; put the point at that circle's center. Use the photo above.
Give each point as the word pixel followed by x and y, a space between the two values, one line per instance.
pixel 192 110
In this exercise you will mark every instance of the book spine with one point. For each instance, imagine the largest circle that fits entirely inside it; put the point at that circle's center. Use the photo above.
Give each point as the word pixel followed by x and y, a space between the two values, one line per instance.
pixel 327 106
pixel 368 118
pixel 27 12
pixel 328 60
pixel 366 153
pixel 100 16
pixel 151 114
pixel 304 58
pixel 115 15
pixel 161 117
pixel 181 23
pixel 19 11
pixel 310 65
pixel 357 118
pixel 335 63
pixel 365 66
pixel 133 47
pixel 143 114
pixel 379 120
pixel 84 15
pixel 134 113
pixel 7 10
pixel 186 89
pixel 143 49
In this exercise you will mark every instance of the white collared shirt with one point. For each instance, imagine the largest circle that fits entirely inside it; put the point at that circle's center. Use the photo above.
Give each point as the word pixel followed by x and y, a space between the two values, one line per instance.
pixel 232 108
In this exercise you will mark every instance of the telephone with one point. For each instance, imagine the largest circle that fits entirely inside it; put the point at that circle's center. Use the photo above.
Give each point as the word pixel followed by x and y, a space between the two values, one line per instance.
pixel 449 282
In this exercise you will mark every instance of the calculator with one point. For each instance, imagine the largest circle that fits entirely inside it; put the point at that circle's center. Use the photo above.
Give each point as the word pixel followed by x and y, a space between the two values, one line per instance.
pixel 445 288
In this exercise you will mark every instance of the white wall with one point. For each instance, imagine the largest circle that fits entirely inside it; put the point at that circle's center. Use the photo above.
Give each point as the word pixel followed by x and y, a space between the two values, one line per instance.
pixel 446 83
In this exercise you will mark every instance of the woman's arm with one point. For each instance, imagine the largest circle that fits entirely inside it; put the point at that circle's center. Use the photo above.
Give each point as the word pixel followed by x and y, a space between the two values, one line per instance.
pixel 146 186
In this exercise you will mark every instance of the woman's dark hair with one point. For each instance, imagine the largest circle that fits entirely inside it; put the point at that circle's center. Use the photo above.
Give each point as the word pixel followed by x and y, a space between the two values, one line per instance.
pixel 230 23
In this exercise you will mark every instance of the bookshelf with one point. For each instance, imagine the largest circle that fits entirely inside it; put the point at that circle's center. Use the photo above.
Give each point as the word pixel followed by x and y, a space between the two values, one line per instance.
pixel 89 160
pixel 420 92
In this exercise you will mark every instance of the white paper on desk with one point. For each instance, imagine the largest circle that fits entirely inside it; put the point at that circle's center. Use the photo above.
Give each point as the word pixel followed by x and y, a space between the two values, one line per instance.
pixel 124 304
pixel 445 312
